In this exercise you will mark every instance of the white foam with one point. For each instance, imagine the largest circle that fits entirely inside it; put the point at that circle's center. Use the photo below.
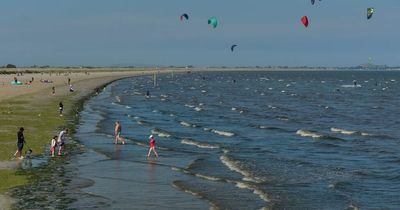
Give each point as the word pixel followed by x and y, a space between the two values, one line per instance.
pixel 233 109
pixel 118 99
pixel 222 133
pixel 343 131
pixel 257 191
pixel 236 166
pixel 308 134
pixel 211 178
pixel 186 124
pixel 161 134
pixel 190 106
pixel 128 107
pixel 367 134
pixel 198 144
pixel 198 109
pixel 350 86
pixel 203 91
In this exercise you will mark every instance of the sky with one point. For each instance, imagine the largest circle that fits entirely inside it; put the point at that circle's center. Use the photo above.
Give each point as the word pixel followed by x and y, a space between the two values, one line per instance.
pixel 149 33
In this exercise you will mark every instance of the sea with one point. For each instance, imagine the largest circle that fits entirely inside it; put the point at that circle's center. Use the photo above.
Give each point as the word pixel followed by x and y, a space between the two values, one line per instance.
pixel 244 140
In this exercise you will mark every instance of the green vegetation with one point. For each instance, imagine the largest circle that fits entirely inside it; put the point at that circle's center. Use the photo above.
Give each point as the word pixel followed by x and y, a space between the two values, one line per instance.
pixel 41 121
pixel 9 179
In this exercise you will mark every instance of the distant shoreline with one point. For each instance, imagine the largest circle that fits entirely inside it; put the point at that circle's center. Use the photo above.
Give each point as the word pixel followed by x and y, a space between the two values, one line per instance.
pixel 30 70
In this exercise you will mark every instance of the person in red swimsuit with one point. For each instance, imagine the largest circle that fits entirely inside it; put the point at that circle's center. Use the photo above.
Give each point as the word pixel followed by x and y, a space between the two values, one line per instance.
pixel 152 143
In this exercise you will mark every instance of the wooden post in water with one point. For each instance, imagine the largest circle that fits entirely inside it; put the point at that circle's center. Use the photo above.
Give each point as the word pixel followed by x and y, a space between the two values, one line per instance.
pixel 155 79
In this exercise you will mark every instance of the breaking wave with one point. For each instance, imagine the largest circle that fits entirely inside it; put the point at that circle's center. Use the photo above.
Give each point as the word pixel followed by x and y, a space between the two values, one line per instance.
pixel 199 144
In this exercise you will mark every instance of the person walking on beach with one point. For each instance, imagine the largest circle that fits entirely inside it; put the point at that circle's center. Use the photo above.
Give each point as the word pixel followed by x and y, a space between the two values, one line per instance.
pixel 61 108
pixel 20 143
pixel 117 133
pixel 53 145
pixel 152 143
pixel 53 91
pixel 61 140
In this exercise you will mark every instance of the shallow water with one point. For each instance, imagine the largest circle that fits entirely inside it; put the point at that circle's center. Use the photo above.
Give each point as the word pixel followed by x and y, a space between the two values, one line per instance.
pixel 245 140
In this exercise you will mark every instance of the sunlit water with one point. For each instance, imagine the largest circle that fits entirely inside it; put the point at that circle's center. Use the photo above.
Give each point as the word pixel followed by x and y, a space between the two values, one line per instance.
pixel 245 140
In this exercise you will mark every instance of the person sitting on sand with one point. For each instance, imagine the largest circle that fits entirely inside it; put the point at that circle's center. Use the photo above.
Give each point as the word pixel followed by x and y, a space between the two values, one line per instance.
pixel 117 133
pixel 61 140
pixel 152 144
pixel 53 145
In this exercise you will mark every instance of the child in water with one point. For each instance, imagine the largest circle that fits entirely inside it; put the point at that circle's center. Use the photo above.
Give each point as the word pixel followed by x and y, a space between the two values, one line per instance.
pixel 152 143
pixel 53 145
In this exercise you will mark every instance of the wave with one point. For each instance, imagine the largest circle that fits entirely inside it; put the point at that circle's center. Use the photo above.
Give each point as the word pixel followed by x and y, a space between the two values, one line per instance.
pixel 144 123
pixel 350 86
pixel 186 124
pixel 263 195
pixel 190 106
pixel 198 144
pixel 198 109
pixel 343 131
pixel 316 135
pixel 265 127
pixel 161 133
pixel 241 185
pixel 361 133
pixel 305 133
pixel 180 186
pixel 221 133
pixel 238 167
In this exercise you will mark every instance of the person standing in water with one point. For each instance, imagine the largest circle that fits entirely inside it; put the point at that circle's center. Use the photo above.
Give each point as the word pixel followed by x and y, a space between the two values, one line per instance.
pixel 117 133
pixel 152 144
pixel 61 140
pixel 20 143
pixel 53 145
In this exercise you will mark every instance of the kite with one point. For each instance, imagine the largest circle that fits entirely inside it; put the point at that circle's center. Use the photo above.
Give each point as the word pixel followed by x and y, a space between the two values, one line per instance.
pixel 213 21
pixel 184 15
pixel 233 47
pixel 370 12
pixel 304 20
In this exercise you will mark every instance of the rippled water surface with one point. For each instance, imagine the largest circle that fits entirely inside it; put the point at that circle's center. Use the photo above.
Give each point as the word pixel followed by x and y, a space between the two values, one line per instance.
pixel 246 140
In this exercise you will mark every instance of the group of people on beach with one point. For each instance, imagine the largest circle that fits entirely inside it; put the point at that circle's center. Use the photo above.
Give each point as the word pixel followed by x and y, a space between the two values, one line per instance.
pixel 118 137
pixel 56 141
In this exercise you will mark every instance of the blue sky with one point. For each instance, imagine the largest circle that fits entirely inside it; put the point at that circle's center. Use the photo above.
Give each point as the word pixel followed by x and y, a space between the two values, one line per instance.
pixel 148 32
